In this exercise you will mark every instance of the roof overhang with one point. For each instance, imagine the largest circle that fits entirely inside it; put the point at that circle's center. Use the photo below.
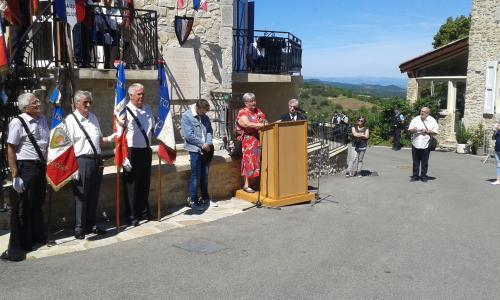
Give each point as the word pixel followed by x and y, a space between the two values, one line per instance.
pixel 436 56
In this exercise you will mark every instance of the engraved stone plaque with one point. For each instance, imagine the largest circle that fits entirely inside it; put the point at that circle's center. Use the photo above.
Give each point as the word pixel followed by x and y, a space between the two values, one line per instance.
pixel 183 72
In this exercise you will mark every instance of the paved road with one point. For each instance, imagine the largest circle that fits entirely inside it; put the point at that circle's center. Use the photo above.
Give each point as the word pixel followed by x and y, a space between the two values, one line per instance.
pixel 377 237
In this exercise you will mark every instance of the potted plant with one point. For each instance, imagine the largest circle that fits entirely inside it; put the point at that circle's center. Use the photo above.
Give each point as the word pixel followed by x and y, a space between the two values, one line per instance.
pixel 476 140
pixel 463 136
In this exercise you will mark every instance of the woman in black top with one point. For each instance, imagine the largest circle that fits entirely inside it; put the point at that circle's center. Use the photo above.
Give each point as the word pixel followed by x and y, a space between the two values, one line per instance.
pixel 360 136
pixel 496 137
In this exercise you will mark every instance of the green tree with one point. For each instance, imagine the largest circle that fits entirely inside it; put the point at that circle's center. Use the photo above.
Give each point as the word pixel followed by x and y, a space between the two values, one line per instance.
pixel 452 30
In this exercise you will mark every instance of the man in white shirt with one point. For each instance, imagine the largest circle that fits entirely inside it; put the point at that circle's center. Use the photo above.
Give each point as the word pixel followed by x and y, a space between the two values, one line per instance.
pixel 87 184
pixel 27 152
pixel 137 166
pixel 421 128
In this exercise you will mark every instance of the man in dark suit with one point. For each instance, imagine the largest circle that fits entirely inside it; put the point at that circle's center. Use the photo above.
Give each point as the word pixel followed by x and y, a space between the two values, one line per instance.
pixel 294 112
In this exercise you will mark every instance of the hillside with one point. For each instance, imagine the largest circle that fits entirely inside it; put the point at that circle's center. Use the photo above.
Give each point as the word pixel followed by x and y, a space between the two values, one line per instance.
pixel 373 90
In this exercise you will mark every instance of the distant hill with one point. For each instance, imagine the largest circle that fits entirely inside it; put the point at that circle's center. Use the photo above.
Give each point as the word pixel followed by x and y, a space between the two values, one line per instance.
pixel 374 90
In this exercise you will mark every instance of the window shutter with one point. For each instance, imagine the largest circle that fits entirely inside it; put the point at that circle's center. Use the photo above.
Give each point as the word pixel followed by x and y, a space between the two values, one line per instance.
pixel 489 95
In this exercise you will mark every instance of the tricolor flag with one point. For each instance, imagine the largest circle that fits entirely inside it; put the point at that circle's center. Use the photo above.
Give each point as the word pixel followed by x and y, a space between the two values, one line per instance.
pixel 4 56
pixel 164 130
pixel 180 4
pixel 120 116
pixel 204 5
pixel 55 97
pixel 61 162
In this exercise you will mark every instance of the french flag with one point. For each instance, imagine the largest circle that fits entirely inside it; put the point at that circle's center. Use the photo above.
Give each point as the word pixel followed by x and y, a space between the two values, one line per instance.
pixel 61 160
pixel 164 130
pixel 120 116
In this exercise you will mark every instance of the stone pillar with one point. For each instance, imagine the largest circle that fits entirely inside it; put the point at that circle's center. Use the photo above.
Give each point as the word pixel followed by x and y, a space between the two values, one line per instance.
pixel 452 97
pixel 412 90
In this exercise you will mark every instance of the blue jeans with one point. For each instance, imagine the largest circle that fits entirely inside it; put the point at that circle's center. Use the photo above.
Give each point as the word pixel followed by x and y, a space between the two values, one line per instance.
pixel 199 177
pixel 497 157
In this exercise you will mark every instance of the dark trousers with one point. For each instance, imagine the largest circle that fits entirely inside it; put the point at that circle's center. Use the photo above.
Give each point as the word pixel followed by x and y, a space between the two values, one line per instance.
pixel 420 161
pixel 396 137
pixel 86 192
pixel 199 177
pixel 81 44
pixel 26 219
pixel 136 184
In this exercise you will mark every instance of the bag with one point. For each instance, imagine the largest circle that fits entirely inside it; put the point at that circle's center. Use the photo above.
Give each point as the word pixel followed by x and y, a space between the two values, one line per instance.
pixel 208 155
pixel 235 148
pixel 432 143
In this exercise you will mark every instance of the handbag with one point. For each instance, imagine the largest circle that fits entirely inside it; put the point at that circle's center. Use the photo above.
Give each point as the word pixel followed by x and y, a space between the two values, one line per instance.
pixel 235 146
pixel 432 142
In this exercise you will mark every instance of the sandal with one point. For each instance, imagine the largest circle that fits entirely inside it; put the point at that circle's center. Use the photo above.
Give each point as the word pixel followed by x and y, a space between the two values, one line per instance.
pixel 248 189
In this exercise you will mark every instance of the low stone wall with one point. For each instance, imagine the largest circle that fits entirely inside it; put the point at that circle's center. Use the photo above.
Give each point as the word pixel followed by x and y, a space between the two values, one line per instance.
pixel 224 180
pixel 325 162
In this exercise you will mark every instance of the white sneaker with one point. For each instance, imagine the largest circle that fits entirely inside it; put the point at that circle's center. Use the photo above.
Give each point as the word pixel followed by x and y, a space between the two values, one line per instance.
pixel 495 182
pixel 213 204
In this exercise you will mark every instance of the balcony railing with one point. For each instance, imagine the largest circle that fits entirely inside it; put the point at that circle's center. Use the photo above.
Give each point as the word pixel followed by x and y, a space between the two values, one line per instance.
pixel 333 135
pixel 43 45
pixel 266 52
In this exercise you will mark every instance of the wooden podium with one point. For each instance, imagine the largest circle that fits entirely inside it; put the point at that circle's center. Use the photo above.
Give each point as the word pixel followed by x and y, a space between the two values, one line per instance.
pixel 284 167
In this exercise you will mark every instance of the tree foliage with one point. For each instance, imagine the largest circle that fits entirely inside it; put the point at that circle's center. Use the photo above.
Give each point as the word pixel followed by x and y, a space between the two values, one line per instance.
pixel 452 30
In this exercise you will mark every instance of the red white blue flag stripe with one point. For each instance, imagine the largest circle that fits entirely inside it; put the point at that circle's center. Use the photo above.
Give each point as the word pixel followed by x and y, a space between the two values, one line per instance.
pixel 120 116
pixel 164 130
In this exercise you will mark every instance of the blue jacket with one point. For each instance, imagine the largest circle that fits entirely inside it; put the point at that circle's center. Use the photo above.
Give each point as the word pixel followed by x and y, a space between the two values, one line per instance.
pixel 194 129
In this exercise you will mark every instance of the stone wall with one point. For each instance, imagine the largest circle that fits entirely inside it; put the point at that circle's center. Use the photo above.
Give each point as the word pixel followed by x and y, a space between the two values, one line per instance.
pixel 224 180
pixel 211 38
pixel 446 137
pixel 484 46
pixel 321 163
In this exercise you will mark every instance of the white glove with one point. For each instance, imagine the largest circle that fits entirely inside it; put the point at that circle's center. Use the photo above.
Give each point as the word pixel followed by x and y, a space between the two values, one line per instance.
pixel 18 184
pixel 109 138
pixel 76 176
pixel 127 166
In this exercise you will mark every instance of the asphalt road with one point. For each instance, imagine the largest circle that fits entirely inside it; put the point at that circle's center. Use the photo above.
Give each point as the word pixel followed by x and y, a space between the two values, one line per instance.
pixel 376 237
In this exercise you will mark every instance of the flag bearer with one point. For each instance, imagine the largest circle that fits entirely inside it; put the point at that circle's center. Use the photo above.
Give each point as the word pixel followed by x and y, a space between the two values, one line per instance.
pixel 27 151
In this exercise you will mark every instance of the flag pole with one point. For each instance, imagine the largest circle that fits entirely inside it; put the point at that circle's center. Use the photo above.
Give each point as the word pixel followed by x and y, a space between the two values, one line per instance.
pixel 158 190
pixel 117 199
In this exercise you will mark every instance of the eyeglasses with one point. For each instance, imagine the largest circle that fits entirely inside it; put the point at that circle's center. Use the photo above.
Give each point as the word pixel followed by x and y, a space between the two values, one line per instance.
pixel 35 102
pixel 89 102
pixel 361 120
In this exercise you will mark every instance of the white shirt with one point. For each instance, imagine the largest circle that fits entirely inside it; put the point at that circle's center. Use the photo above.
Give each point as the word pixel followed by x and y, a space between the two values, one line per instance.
pixel 19 137
pixel 135 139
pixel 77 137
pixel 420 139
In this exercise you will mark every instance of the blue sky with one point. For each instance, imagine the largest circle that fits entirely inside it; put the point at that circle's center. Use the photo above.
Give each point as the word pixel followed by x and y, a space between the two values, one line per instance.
pixel 344 38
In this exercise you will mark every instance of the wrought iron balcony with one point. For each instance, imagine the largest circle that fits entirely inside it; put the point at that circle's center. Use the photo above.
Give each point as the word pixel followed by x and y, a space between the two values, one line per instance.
pixel 43 45
pixel 266 52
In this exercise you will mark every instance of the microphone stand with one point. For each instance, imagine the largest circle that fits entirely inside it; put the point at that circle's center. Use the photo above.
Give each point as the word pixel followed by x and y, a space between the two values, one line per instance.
pixel 317 195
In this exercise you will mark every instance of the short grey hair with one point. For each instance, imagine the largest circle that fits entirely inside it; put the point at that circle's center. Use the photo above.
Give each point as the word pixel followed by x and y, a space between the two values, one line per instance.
pixel 79 95
pixel 24 100
pixel 133 87
pixel 293 101
pixel 248 97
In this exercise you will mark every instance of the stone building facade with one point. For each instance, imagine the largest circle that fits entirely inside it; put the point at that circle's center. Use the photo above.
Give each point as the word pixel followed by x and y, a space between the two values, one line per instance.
pixel 484 47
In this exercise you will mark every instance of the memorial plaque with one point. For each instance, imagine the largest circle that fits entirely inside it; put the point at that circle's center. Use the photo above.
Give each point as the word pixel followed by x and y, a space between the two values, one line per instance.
pixel 183 72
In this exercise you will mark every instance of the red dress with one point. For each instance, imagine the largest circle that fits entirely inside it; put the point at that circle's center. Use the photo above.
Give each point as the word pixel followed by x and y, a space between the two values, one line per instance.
pixel 250 144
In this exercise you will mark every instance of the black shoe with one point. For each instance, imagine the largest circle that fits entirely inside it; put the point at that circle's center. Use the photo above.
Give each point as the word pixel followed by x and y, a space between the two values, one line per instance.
pixel 97 230
pixel 79 235
pixel 424 178
pixel 134 223
pixel 5 256
pixel 414 178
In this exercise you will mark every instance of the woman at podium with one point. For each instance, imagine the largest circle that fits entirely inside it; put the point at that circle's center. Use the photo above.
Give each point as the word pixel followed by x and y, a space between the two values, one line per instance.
pixel 248 122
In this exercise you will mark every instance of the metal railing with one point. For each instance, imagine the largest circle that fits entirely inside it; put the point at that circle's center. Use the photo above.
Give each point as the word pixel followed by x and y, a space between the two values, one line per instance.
pixel 333 135
pixel 266 52
pixel 43 45
pixel 140 39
